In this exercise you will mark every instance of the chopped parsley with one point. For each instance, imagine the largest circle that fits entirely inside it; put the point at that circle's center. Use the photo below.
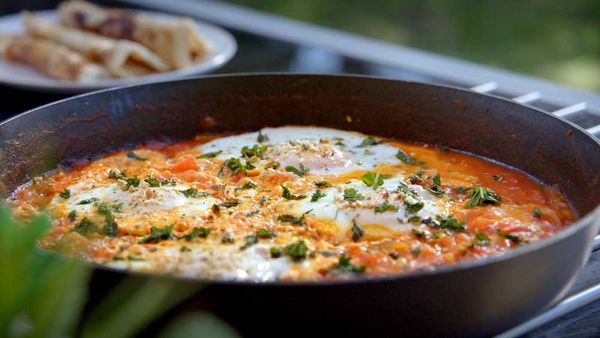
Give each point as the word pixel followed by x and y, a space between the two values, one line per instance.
pixel 451 223
pixel 481 195
pixel 436 186
pixel 265 233
pixel 323 184
pixel 72 215
pixel 249 241
pixel 88 201
pixel 405 158
pixel 262 200
pixel 512 237
pixel 291 219
pixel 117 174
pixel 297 251
pixel 256 150
pixel 152 181
pixel 235 165
pixel 249 185
pixel 134 156
pixel 417 177
pixel 194 193
pixel 317 195
pixel 85 227
pixel 461 190
pixel 227 240
pixel 352 195
pixel 288 195
pixel 357 231
pixel 413 208
pixel 157 235
pixel 198 232
pixel 537 212
pixel 275 252
pixel 132 182
pixel 300 171
pixel 229 204
pixel 261 138
pixel 345 266
pixel 481 238
pixel 65 193
pixel 385 206
pixel 369 141
pixel 371 179
pixel 211 154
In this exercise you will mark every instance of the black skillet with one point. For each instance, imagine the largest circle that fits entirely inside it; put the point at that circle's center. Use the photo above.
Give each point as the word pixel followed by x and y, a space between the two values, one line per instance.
pixel 478 298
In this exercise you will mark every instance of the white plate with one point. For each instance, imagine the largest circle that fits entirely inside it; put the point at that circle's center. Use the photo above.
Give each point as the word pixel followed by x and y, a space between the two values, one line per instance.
pixel 222 47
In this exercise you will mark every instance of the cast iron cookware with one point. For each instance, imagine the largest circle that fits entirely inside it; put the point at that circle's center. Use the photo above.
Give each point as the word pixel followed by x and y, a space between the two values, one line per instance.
pixel 476 298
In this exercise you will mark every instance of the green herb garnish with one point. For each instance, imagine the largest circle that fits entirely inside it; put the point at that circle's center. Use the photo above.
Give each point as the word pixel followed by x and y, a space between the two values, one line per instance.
pixel 369 141
pixel 256 150
pixel 436 186
pixel 265 233
pixel 275 252
pixel 249 185
pixel 134 156
pixel 198 232
pixel 157 235
pixel 211 154
pixel 85 227
pixel 152 181
pixel 413 208
pixel 352 195
pixel 227 240
pixel 481 195
pixel 194 193
pixel 451 223
pixel 300 171
pixel 291 219
pixel 385 206
pixel 323 184
pixel 249 241
pixel 261 138
pixel 88 201
pixel 481 238
pixel 317 195
pixel 537 212
pixel 65 193
pixel 405 158
pixel 371 179
pixel 229 204
pixel 357 231
pixel 297 251
pixel 288 195
pixel 512 237
pixel 345 266
pixel 72 215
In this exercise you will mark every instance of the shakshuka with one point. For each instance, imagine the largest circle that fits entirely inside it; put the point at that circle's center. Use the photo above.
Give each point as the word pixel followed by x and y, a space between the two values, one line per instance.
pixel 290 203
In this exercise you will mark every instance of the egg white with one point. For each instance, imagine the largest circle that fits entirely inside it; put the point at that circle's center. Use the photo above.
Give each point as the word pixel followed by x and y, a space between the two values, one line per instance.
pixel 323 151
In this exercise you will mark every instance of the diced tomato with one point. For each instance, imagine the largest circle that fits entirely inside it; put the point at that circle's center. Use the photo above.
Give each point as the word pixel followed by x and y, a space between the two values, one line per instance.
pixel 184 165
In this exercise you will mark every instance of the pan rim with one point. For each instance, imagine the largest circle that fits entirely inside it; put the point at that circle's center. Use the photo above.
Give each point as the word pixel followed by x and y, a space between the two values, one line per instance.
pixel 583 222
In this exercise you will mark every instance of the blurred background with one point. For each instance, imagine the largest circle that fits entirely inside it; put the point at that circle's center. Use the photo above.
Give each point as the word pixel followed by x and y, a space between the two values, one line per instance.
pixel 556 40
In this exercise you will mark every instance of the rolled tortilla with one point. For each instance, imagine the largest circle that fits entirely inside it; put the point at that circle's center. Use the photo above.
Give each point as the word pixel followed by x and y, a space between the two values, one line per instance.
pixel 120 57
pixel 177 41
pixel 50 58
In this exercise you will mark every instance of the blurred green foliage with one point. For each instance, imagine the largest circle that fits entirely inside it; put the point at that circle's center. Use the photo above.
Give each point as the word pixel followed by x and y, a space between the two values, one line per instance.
pixel 43 295
pixel 557 40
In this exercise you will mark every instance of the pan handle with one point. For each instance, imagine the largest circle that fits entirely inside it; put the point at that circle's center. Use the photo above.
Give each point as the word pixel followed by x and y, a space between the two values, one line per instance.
pixel 569 304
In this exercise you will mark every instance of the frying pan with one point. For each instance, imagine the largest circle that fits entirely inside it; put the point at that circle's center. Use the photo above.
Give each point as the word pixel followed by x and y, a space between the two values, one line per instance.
pixel 475 298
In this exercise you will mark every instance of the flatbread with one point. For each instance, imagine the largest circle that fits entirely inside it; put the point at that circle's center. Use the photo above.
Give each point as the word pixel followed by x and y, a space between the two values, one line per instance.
pixel 176 41
pixel 121 58
pixel 50 58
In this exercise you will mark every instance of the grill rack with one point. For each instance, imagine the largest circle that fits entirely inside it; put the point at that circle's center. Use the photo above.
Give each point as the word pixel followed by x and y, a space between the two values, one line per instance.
pixel 577 106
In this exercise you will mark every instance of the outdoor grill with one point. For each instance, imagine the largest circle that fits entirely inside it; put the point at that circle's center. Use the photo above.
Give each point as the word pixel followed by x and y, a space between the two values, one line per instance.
pixel 269 43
